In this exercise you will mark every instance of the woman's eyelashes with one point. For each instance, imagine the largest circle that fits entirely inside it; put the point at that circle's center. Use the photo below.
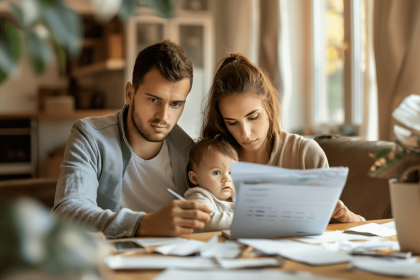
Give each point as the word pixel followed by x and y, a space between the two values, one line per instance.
pixel 251 119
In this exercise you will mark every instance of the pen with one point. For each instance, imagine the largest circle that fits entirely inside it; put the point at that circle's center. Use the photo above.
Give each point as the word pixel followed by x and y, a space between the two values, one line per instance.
pixel 175 194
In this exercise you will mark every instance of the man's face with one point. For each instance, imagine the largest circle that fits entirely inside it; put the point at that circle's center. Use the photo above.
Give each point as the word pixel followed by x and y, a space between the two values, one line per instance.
pixel 157 105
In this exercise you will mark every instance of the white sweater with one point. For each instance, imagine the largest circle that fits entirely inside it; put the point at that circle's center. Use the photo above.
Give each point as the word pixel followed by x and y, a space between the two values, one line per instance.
pixel 222 215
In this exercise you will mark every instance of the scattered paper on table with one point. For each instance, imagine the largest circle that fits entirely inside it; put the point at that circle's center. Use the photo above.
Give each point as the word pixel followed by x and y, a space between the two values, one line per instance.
pixel 243 263
pixel 399 268
pixel 228 249
pixel 372 229
pixel 333 236
pixel 182 248
pixel 309 254
pixel 371 245
pixel 117 262
pixel 389 225
pixel 158 241
pixel 249 274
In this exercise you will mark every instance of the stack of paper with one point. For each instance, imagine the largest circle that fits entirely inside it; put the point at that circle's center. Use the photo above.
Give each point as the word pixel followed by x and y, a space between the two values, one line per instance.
pixel 309 254
pixel 372 229
pixel 268 274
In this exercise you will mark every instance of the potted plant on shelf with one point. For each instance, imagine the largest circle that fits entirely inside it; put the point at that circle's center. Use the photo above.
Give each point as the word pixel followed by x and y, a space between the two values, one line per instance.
pixel 402 166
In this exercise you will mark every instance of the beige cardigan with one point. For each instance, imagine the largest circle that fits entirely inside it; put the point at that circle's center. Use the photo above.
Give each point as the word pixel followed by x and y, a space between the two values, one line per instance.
pixel 296 152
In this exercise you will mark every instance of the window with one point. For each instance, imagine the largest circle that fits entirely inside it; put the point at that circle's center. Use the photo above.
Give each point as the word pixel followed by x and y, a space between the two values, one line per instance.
pixel 338 61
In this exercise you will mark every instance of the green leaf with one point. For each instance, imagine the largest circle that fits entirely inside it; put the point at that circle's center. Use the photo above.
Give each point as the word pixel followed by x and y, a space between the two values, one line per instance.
pixel 61 54
pixel 17 13
pixel 64 24
pixel 39 51
pixel 164 7
pixel 3 76
pixel 127 9
pixel 10 47
pixel 381 153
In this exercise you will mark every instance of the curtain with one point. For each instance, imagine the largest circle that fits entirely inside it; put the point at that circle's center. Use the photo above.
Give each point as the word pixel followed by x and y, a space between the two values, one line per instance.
pixel 274 51
pixel 237 28
pixel 369 127
pixel 397 57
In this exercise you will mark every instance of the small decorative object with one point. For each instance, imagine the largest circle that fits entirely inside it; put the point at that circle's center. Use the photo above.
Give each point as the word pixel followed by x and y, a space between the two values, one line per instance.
pixel 36 245
pixel 402 166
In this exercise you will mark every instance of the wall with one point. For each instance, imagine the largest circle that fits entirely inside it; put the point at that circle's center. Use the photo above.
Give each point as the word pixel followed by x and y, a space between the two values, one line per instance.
pixel 299 111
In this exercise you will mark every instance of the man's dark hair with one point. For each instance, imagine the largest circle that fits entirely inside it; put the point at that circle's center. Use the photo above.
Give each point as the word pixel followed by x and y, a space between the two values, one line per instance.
pixel 169 58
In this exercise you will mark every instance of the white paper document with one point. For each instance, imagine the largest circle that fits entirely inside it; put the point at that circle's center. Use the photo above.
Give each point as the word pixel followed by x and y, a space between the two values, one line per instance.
pixel 117 262
pixel 372 229
pixel 309 254
pixel 249 274
pixel 388 267
pixel 276 202
pixel 243 263
pixel 389 225
pixel 368 246
pixel 209 249
pixel 158 241
pixel 227 249
pixel 181 249
pixel 332 237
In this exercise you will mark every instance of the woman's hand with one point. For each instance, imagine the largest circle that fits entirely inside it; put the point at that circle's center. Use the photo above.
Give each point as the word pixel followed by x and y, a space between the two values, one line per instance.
pixel 343 215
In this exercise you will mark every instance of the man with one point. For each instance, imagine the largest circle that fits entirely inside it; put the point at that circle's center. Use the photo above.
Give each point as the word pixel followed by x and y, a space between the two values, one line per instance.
pixel 117 168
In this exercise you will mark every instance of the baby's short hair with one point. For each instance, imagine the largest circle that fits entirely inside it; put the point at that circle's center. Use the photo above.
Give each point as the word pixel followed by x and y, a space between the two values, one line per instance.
pixel 206 145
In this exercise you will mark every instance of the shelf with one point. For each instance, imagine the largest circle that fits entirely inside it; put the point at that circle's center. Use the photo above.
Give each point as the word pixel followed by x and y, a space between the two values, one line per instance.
pixel 77 114
pixel 97 67
pixel 15 131
pixel 16 168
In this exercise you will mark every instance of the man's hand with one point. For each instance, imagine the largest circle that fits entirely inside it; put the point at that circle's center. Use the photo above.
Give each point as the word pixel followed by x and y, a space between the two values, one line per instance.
pixel 175 219
pixel 343 215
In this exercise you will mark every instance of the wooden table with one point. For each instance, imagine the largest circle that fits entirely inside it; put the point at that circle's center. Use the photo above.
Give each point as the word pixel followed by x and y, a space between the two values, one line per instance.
pixel 339 271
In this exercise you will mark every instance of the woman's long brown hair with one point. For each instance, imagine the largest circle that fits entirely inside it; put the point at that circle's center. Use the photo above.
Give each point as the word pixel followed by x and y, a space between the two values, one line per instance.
pixel 238 75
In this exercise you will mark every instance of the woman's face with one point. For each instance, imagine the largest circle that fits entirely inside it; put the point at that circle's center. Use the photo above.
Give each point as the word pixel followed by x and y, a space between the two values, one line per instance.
pixel 246 119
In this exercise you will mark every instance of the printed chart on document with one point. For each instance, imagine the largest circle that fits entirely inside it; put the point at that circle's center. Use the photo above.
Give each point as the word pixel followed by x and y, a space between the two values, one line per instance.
pixel 285 210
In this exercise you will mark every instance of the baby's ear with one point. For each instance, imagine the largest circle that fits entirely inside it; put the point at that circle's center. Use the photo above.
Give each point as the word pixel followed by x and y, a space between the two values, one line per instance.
pixel 193 177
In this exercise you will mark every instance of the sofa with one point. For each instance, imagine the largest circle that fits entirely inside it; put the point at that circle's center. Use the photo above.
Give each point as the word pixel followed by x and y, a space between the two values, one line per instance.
pixel 363 195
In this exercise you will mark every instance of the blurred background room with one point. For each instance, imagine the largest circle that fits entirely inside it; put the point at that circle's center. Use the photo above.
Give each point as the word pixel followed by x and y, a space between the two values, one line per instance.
pixel 341 67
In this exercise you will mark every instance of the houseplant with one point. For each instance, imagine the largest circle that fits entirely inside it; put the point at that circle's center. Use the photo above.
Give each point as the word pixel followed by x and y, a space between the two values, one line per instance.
pixel 37 245
pixel 402 166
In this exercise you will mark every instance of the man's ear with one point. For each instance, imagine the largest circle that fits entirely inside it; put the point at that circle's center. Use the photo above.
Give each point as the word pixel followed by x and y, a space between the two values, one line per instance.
pixel 193 178
pixel 129 93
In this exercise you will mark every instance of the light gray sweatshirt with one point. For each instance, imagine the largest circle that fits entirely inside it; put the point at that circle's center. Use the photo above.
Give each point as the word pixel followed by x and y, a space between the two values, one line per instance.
pixel 222 215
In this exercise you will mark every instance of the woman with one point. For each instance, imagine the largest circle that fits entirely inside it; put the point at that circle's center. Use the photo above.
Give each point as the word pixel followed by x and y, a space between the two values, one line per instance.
pixel 244 107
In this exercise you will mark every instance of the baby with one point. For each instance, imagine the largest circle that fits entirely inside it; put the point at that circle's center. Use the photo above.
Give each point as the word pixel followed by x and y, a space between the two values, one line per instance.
pixel 210 181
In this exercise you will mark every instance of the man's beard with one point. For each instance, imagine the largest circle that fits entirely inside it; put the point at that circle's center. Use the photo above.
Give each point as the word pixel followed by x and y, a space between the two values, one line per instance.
pixel 137 122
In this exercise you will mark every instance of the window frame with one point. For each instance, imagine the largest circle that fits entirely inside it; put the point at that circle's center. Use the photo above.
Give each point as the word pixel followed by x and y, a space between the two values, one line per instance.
pixel 352 73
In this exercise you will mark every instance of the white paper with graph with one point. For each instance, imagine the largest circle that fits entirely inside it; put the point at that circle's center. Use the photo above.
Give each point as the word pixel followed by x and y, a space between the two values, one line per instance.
pixel 276 202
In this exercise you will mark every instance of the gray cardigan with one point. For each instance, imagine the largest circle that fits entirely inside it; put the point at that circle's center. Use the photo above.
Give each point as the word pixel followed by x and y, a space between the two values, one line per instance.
pixel 95 161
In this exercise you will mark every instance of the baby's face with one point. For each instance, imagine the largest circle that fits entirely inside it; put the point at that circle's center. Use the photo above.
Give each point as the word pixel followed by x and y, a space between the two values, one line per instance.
pixel 213 174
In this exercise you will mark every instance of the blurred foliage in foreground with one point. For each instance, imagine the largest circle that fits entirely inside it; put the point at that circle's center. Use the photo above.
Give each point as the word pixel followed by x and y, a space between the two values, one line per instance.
pixel 42 27
pixel 34 241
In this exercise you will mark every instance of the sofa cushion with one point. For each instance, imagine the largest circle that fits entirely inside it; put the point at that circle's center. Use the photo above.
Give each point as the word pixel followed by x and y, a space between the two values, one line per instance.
pixel 363 195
